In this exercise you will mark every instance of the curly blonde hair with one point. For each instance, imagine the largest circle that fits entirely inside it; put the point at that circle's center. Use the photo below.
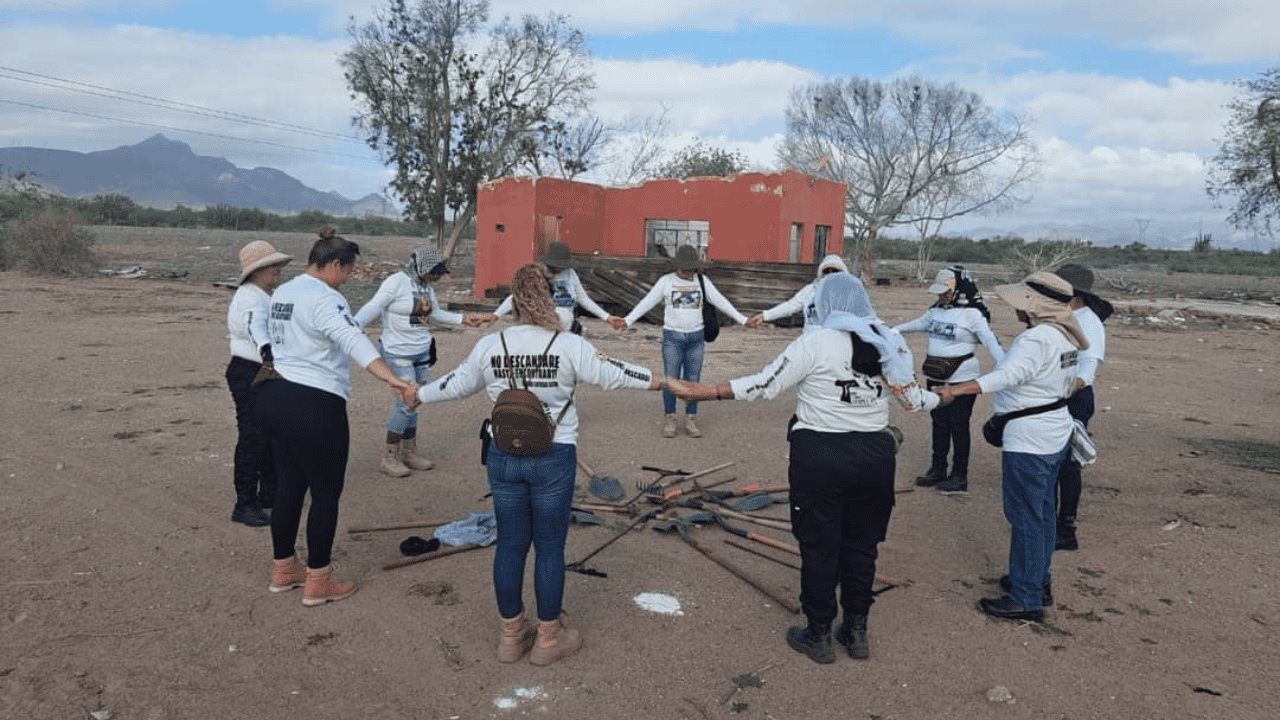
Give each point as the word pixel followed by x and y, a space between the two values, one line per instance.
pixel 532 298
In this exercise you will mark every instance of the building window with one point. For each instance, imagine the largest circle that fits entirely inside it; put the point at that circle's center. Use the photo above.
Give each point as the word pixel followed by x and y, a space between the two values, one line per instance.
pixel 500 227
pixel 797 234
pixel 662 237
pixel 820 233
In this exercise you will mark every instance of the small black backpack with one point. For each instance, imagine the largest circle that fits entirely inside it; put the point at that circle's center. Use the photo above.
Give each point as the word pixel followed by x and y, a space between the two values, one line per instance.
pixel 519 423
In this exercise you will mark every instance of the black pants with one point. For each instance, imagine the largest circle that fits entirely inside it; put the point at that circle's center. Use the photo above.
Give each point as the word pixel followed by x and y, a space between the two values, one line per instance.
pixel 255 470
pixel 309 439
pixel 841 500
pixel 951 429
pixel 1080 405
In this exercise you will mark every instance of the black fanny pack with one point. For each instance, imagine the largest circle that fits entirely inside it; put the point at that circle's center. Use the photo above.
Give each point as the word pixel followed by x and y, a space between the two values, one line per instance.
pixel 993 428
pixel 941 368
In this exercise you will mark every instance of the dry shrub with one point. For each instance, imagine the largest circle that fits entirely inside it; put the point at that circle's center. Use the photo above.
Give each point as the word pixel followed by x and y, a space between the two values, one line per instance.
pixel 48 242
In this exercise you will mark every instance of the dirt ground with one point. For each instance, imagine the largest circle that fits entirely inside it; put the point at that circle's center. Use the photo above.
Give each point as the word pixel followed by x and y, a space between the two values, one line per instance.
pixel 126 592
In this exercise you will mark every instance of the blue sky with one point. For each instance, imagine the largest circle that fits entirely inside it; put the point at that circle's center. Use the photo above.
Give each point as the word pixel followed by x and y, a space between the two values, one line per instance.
pixel 1126 98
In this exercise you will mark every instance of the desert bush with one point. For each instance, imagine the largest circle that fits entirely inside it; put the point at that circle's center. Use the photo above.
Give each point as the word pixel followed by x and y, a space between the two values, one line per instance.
pixel 47 242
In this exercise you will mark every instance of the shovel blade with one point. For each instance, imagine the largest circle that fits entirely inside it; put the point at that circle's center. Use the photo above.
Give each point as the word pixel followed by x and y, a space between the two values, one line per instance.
pixel 606 488
pixel 752 502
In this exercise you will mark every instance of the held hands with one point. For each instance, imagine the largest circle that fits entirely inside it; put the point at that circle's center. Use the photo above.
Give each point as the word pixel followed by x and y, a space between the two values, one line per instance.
pixel 478 320
pixel 685 389
pixel 617 323
pixel 755 321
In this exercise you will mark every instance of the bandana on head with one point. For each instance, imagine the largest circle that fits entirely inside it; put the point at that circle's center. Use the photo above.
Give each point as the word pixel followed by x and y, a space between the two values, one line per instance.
pixel 422 260
pixel 966 293
pixel 841 303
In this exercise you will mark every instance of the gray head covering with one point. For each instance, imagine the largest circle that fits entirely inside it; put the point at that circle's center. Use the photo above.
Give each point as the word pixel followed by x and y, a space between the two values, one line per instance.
pixel 841 303
pixel 422 260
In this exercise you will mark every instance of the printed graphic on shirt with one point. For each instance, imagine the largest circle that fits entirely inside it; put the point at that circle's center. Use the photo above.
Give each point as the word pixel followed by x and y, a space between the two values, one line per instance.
pixel 860 390
pixel 421 314
pixel 626 369
pixel 529 371
pixel 811 313
pixel 1069 359
pixel 281 313
pixel 686 299
pixel 942 330
pixel 769 380
pixel 561 296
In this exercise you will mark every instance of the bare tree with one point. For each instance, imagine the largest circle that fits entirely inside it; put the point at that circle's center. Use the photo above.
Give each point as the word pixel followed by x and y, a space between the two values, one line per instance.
pixel 447 114
pixel 1044 255
pixel 638 146
pixel 891 142
pixel 1247 166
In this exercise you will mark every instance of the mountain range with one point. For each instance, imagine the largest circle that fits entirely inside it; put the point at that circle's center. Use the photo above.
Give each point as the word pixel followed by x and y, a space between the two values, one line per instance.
pixel 163 173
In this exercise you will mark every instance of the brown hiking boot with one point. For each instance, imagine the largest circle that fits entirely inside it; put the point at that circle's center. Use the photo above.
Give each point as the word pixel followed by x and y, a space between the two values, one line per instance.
pixel 391 464
pixel 555 642
pixel 410 457
pixel 287 575
pixel 690 428
pixel 321 588
pixel 669 426
pixel 516 639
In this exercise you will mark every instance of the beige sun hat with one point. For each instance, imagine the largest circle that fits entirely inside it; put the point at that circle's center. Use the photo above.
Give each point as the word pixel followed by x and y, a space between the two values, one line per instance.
pixel 257 255
pixel 1043 296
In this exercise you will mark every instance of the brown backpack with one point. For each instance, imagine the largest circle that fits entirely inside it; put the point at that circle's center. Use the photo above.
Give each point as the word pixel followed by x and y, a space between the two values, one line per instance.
pixel 519 423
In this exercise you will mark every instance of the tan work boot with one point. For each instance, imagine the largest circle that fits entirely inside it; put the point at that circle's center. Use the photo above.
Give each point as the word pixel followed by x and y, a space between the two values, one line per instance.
pixel 516 639
pixel 391 464
pixel 555 642
pixel 690 428
pixel 669 426
pixel 287 574
pixel 321 588
pixel 410 457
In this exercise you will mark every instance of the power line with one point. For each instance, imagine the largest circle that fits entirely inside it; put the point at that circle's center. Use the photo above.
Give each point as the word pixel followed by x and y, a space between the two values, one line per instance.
pixel 179 129
pixel 164 103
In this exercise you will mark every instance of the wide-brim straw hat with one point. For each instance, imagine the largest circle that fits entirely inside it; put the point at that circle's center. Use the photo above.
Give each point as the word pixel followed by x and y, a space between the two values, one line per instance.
pixel 1044 297
pixel 557 257
pixel 257 255
pixel 687 258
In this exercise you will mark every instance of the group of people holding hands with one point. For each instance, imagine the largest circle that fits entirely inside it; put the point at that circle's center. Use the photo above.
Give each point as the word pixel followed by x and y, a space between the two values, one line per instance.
pixel 291 347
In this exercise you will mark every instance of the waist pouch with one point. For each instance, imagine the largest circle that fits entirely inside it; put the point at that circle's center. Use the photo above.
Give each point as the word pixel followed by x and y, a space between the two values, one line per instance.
pixel 993 428
pixel 941 368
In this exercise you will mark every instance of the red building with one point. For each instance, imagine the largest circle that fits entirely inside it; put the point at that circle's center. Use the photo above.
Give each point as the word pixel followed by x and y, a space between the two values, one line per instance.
pixel 750 217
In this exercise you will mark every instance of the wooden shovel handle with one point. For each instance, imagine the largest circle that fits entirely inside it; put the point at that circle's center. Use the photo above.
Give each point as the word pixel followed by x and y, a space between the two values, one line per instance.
pixel 785 547
pixel 585 468
pixel 430 556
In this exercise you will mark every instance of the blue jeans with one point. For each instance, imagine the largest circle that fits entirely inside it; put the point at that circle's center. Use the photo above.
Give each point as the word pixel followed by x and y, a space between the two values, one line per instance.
pixel 681 359
pixel 1029 486
pixel 414 368
pixel 531 502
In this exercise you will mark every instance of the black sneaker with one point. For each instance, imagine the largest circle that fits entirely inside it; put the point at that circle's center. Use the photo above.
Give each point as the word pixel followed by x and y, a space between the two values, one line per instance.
pixel 1046 600
pixel 853 636
pixel 250 514
pixel 934 476
pixel 1066 538
pixel 1004 608
pixel 957 484
pixel 816 646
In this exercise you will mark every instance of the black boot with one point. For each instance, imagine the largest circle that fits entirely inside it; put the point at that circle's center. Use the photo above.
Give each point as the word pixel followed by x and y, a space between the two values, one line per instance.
pixel 1006 584
pixel 814 641
pixel 853 636
pixel 956 484
pixel 935 475
pixel 248 512
pixel 1066 535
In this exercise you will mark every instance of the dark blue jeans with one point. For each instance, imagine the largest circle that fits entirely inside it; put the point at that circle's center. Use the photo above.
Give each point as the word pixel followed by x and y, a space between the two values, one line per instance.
pixel 1080 405
pixel 681 359
pixel 1028 485
pixel 255 470
pixel 531 501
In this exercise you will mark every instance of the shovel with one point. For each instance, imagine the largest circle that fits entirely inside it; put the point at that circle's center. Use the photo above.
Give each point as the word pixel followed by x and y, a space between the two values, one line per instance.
pixel 757 537
pixel 682 528
pixel 607 488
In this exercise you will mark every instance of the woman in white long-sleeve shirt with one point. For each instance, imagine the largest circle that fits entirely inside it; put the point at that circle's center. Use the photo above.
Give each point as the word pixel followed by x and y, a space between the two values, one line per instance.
pixel 682 294
pixel 303 410
pixel 957 323
pixel 1035 378
pixel 567 292
pixel 406 303
pixel 842 454
pixel 532 494
pixel 802 301
pixel 255 473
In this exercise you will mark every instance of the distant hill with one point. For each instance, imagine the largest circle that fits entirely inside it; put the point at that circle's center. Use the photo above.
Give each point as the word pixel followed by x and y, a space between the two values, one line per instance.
pixel 163 173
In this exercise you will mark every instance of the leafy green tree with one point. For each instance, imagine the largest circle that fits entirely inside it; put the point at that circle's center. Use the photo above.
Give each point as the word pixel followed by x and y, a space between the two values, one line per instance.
pixel 450 105
pixel 700 160
pixel 111 209
pixel 1247 166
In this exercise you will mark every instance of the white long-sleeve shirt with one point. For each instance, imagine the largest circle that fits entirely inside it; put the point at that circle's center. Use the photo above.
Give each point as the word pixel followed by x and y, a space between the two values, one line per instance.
pixel 802 301
pixel 247 322
pixel 567 292
pixel 830 395
pixel 1092 356
pixel 570 360
pixel 405 305
pixel 956 331
pixel 313 335
pixel 682 303
pixel 1039 368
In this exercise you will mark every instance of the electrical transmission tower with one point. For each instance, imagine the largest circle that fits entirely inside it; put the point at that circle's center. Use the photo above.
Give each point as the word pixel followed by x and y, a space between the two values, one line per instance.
pixel 1142 230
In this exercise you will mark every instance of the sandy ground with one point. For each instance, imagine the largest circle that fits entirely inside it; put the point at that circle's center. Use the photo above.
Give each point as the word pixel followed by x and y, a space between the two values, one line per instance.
pixel 126 590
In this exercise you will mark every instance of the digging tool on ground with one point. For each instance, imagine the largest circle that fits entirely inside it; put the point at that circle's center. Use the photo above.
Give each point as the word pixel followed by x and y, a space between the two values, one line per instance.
pixel 578 565
pixel 745 548
pixel 674 493
pixel 683 531
pixel 433 556
pixel 604 487
pixel 748 489
pixel 731 513
pixel 660 486
pixel 398 526
pixel 757 537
